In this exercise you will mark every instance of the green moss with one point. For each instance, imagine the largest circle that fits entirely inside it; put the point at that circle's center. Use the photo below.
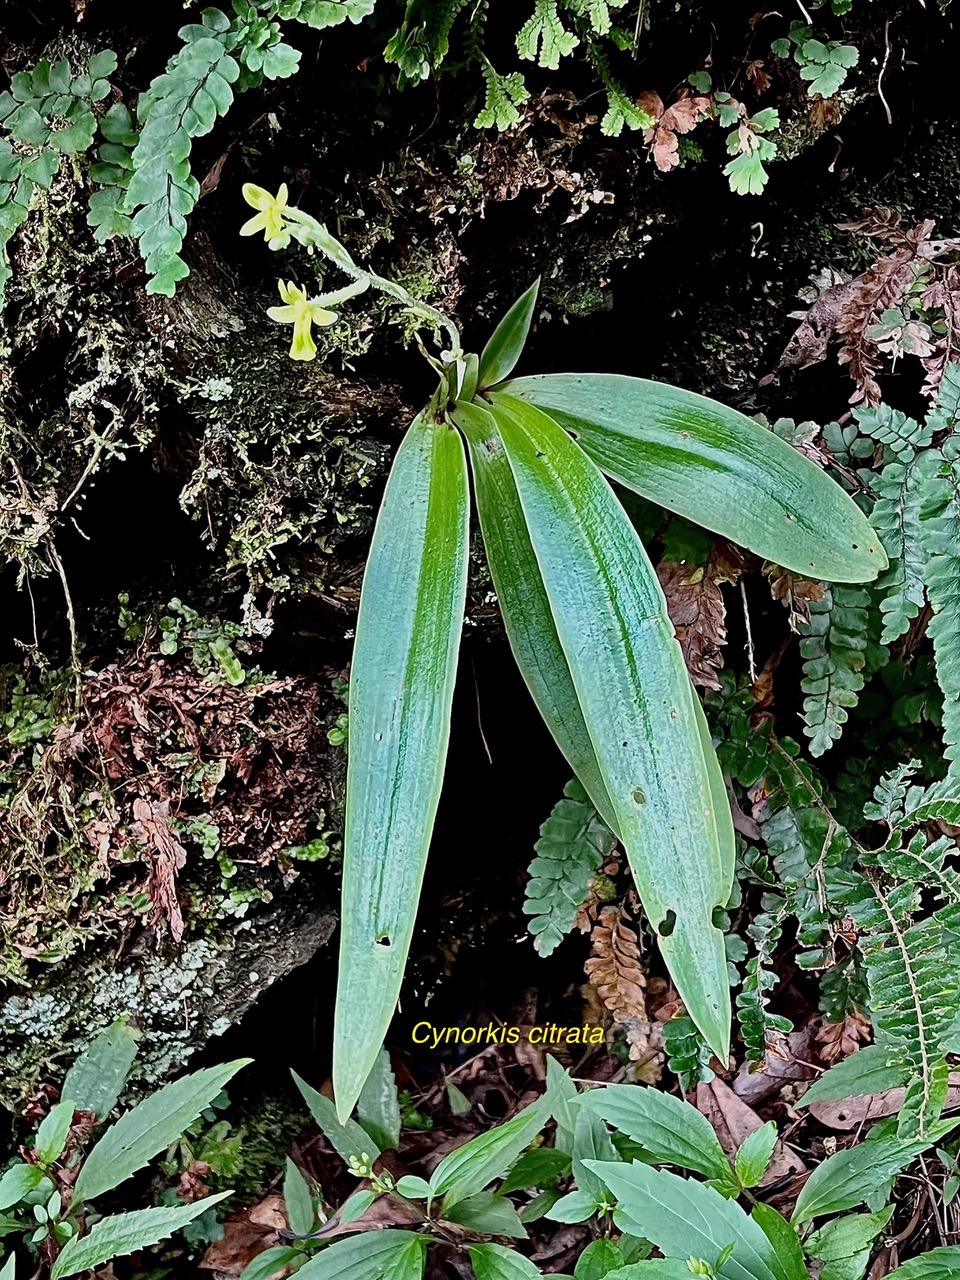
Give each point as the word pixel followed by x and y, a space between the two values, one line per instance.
pixel 286 454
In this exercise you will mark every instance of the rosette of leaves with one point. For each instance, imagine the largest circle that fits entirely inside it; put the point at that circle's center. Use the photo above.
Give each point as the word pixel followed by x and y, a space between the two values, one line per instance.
pixel 587 621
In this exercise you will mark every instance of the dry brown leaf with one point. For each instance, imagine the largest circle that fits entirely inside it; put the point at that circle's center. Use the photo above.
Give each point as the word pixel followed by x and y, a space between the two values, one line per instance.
pixel 824 112
pixel 850 1113
pixel 168 857
pixel 786 1077
pixel 886 1261
pixel 794 593
pixel 853 311
pixel 757 76
pixel 386 1211
pixel 269 1212
pixel 245 1236
pixel 682 116
pixel 601 889
pixel 616 972
pixel 193 1182
pixel 614 967
pixel 698 613
pixel 836 1040
pixel 733 1120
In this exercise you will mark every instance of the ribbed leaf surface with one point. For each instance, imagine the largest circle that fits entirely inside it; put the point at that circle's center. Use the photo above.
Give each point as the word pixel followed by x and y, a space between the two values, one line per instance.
pixel 149 1127
pixel 401 687
pixel 124 1233
pixel 714 465
pixel 524 604
pixel 636 697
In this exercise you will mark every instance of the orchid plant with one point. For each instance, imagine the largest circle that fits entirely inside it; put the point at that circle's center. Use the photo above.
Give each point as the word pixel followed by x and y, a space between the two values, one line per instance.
pixel 582 608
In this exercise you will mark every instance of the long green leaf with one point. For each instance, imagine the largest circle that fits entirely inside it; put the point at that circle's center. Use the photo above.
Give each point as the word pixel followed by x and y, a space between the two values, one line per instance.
pixel 688 1219
pixel 18 1181
pixel 494 1262
pixel 722 812
pixel 712 464
pixel 938 1264
pixel 865 1072
pixel 502 352
pixel 849 1177
pixel 378 1110
pixel 349 1139
pixel 487 1214
pixel 297 1200
pixel 124 1233
pixel 843 1245
pixel 524 604
pixel 371 1255
pixel 652 1269
pixel 786 1243
pixel 670 1130
pixel 53 1132
pixel 96 1078
pixel 148 1128
pixel 636 697
pixel 470 1168
pixel 401 687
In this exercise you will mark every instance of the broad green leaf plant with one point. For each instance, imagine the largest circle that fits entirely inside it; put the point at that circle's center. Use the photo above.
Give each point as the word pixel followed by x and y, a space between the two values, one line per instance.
pixel 584 614
pixel 49 1197
pixel 646 1170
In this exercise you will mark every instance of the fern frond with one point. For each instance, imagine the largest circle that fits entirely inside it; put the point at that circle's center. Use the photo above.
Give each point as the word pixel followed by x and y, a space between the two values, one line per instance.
pixel 503 98
pixel 914 994
pixel 48 113
pixel 924 864
pixel 595 12
pixel 889 795
pixel 327 13
pixel 179 106
pixel 422 41
pixel 688 1054
pixel 902 435
pixel 896 513
pixel 896 518
pixel 543 38
pixel 940 533
pixel 834 652
pixel 759 1028
pixel 945 415
pixel 572 847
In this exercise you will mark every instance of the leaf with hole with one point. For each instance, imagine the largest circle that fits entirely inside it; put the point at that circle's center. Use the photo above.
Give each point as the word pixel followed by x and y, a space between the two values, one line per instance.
pixel 636 697
pixel 401 688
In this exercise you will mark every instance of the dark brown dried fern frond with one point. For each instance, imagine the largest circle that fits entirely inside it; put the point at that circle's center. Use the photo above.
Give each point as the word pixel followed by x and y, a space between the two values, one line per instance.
pixel 907 303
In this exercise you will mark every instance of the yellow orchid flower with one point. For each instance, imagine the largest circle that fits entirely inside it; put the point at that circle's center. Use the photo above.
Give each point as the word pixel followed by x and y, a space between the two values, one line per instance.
pixel 270 216
pixel 303 315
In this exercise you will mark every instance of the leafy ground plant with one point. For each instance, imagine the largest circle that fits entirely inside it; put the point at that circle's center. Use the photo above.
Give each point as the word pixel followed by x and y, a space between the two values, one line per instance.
pixel 644 1168
pixel 586 619
pixel 48 1198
